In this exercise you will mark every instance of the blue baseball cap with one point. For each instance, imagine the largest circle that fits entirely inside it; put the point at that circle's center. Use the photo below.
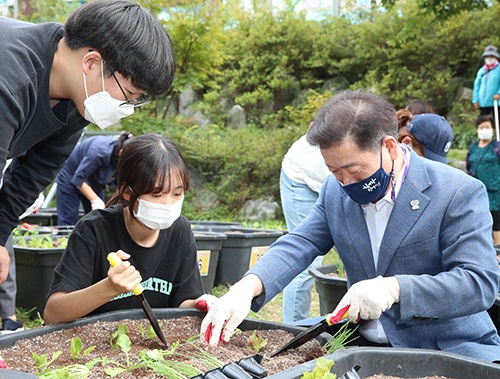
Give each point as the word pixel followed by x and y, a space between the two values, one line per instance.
pixel 434 133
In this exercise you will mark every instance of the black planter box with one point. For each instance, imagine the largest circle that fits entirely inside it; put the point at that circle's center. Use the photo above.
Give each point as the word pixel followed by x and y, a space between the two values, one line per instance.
pixel 208 226
pixel 42 217
pixel 242 248
pixel 34 269
pixel 136 314
pixel 404 363
pixel 46 217
pixel 330 288
pixel 208 245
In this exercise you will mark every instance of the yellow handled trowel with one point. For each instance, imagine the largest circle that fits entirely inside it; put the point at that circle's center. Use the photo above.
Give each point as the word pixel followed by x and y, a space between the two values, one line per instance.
pixel 115 260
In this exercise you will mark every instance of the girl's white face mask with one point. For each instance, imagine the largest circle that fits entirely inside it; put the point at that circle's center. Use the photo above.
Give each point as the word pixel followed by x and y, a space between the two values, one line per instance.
pixel 101 109
pixel 158 216
pixel 485 134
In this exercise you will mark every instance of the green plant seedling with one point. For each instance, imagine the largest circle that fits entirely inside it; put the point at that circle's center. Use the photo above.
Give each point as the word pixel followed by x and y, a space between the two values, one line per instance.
pixel 158 361
pixel 341 269
pixel 75 371
pixel 341 338
pixel 257 343
pixel 42 242
pixel 119 339
pixel 149 332
pixel 321 370
pixel 43 362
pixel 76 349
pixel 122 329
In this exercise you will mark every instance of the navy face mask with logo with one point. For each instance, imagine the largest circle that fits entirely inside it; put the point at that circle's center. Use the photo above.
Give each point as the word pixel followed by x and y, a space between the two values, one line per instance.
pixel 370 189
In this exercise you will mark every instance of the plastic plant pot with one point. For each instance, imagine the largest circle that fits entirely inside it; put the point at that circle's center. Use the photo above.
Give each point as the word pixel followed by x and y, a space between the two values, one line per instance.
pixel 404 363
pixel 136 314
pixel 34 269
pixel 242 248
pixel 253 366
pixel 208 246
pixel 233 370
pixel 330 287
pixel 245 368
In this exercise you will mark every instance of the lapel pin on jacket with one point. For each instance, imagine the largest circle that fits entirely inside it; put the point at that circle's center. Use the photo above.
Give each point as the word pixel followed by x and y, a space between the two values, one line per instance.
pixel 415 204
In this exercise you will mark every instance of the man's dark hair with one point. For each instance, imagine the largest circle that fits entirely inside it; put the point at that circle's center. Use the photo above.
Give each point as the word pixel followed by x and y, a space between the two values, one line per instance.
pixel 360 116
pixel 130 40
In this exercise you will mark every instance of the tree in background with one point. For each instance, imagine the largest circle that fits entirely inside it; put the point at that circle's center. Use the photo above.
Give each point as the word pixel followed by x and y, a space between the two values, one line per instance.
pixel 280 65
pixel 442 9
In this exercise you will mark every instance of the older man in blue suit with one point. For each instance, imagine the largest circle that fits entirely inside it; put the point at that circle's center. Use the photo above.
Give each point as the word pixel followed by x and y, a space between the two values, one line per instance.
pixel 414 236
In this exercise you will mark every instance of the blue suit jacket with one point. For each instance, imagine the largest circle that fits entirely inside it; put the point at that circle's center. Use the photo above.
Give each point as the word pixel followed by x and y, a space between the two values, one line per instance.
pixel 441 252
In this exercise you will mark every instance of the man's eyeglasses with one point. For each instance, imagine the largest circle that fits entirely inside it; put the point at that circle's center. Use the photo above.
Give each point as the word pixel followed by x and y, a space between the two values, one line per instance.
pixel 142 100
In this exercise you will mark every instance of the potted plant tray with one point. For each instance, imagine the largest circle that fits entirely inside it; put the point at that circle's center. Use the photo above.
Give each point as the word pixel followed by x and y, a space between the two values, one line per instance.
pixel 401 363
pixel 174 314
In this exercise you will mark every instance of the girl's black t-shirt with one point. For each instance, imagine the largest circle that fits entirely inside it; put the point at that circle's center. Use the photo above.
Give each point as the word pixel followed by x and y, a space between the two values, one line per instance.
pixel 169 268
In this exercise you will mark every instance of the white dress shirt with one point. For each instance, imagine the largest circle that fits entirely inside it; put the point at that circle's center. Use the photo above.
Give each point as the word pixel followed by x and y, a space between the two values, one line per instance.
pixel 376 217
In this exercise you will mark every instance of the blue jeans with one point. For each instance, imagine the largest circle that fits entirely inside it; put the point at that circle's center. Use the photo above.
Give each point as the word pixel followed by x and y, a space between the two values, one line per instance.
pixel 297 201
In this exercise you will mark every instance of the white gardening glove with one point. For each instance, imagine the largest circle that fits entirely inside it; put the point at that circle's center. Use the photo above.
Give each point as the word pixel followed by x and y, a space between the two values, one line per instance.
pixel 206 302
pixel 367 299
pixel 34 207
pixel 97 203
pixel 229 311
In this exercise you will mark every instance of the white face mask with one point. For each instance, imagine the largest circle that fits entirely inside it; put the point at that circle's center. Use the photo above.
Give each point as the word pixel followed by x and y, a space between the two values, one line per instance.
pixel 490 61
pixel 158 216
pixel 101 109
pixel 485 134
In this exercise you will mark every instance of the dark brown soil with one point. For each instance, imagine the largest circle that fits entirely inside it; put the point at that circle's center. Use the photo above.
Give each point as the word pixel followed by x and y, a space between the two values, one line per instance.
pixel 98 334
pixel 19 357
